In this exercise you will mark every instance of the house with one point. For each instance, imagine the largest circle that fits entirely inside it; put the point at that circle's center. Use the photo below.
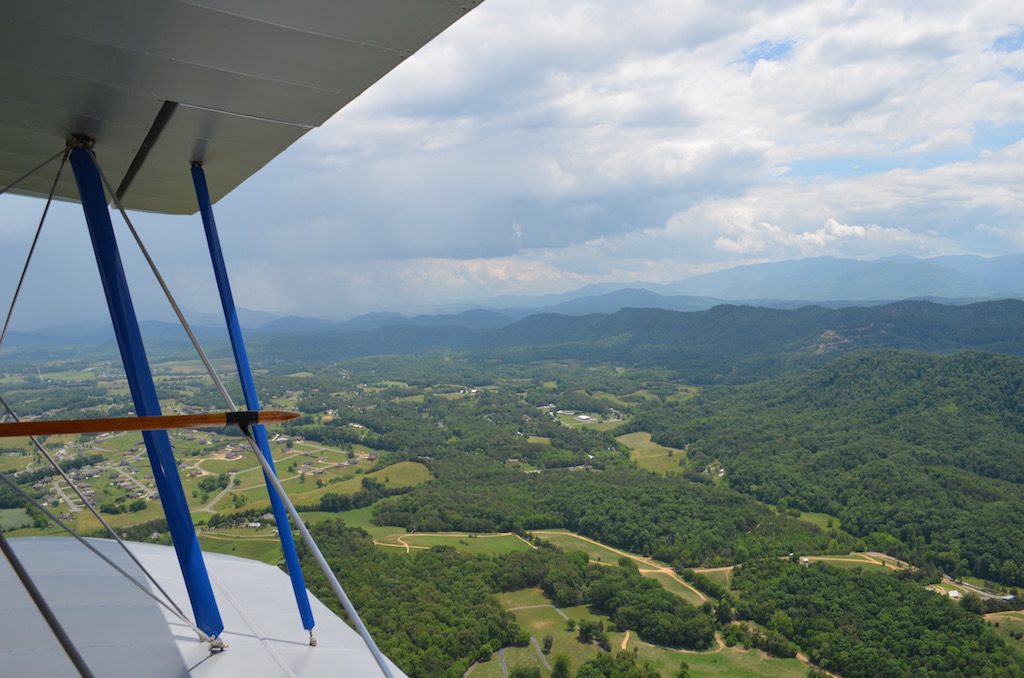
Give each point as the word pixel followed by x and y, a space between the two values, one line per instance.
pixel 954 595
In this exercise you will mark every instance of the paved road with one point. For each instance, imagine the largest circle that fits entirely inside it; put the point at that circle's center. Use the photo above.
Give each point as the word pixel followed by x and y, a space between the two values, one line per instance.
pixel 68 499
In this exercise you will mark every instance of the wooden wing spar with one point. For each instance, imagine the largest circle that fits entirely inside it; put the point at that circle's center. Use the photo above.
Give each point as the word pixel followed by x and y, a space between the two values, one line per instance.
pixel 111 424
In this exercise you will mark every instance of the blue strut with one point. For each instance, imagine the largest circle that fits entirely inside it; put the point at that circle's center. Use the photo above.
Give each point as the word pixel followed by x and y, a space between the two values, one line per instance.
pixel 140 381
pixel 252 401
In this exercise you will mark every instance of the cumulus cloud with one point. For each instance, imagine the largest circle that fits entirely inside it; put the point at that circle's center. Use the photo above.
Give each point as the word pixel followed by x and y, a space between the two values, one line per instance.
pixel 537 146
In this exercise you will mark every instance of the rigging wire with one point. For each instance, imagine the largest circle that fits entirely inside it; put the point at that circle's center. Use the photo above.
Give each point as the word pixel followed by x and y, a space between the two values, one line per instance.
pixel 92 509
pixel 167 291
pixel 32 171
pixel 32 248
pixel 81 540
pixel 44 609
pixel 332 580
pixel 35 441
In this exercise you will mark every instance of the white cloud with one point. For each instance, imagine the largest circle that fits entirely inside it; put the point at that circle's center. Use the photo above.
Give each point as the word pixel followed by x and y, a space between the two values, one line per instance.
pixel 541 145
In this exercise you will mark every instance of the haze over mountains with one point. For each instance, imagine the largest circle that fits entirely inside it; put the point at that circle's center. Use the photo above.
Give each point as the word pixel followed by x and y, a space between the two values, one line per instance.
pixel 821 281
pixel 825 281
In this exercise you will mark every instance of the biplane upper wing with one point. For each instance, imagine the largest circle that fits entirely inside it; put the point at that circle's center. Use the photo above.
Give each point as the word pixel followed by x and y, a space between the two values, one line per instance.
pixel 161 83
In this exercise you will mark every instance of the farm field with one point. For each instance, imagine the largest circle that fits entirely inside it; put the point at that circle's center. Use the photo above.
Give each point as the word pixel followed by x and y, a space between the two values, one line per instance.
pixel 1010 626
pixel 605 555
pixel 265 549
pixel 650 455
pixel 538 617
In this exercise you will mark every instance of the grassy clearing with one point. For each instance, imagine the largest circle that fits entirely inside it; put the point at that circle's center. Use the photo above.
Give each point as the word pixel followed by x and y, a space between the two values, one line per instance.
pixel 305 491
pixel 683 393
pixel 650 455
pixel 674 587
pixel 640 396
pixel 14 518
pixel 596 552
pixel 822 520
pixel 542 621
pixel 522 598
pixel 472 544
pixel 731 662
pixel 402 474
pixel 1008 623
pixel 546 621
pixel 595 422
pixel 265 549
pixel 361 517
pixel 69 375
pixel 615 400
pixel 946 587
pixel 570 542
pixel 721 577
pixel 226 465
pixel 14 462
pixel 539 440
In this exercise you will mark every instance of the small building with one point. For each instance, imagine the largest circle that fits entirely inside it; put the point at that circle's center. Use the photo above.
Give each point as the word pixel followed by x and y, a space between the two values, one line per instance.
pixel 954 595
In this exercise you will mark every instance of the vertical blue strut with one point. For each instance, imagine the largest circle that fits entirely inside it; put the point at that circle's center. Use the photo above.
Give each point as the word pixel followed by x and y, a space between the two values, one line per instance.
pixel 140 381
pixel 252 400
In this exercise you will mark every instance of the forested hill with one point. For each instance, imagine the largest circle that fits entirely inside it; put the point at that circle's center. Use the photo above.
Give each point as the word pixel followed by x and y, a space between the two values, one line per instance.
pixel 922 455
pixel 746 330
pixel 725 343
pixel 742 330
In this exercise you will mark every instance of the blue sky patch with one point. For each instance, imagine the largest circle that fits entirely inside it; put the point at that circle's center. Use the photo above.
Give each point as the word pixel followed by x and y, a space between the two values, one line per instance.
pixel 769 50
pixel 1011 42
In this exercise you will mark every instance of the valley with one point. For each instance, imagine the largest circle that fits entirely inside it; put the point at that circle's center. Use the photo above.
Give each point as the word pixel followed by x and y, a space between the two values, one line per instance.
pixel 661 504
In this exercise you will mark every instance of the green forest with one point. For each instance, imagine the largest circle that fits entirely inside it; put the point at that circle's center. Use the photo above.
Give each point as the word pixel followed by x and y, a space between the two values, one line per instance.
pixel 674 520
pixel 863 625
pixel 780 485
pixel 434 613
pixel 920 455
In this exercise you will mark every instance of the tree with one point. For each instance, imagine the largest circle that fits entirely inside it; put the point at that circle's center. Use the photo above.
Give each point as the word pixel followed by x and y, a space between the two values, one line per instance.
pixel 560 669
pixel 548 642
pixel 781 622
pixel 972 603
pixel 521 672
pixel 683 671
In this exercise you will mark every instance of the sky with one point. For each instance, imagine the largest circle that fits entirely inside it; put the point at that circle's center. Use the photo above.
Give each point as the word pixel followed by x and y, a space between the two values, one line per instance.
pixel 538 146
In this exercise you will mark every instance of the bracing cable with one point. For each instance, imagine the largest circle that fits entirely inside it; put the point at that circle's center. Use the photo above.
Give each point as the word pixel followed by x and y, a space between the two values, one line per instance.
pixel 64 526
pixel 44 609
pixel 32 171
pixel 10 412
pixel 32 248
pixel 92 509
pixel 35 441
pixel 332 580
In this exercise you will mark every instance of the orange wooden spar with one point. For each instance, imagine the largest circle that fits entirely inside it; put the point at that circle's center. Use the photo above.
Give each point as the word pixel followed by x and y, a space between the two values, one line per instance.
pixel 111 424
